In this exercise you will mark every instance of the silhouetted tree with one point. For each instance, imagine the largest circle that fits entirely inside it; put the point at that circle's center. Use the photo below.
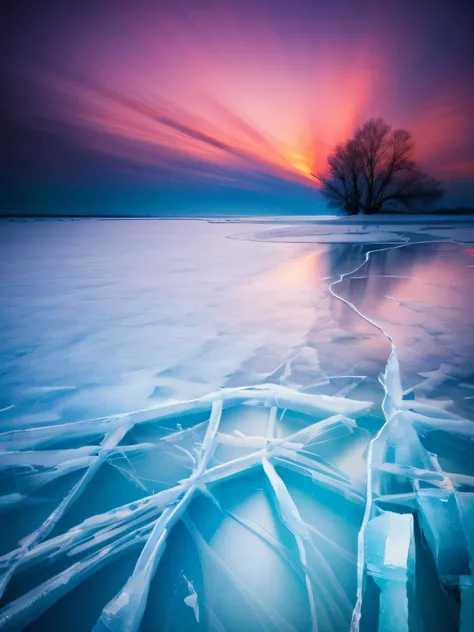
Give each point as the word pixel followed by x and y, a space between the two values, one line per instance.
pixel 375 171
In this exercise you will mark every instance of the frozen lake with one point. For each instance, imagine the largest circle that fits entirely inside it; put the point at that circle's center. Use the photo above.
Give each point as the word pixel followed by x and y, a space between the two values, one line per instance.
pixel 335 493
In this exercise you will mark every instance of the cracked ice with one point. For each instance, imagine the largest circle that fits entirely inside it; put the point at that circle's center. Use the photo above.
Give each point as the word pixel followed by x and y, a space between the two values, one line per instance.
pixel 311 500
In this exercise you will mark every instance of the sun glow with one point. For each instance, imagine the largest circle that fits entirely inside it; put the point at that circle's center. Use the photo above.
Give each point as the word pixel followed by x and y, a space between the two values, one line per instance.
pixel 301 163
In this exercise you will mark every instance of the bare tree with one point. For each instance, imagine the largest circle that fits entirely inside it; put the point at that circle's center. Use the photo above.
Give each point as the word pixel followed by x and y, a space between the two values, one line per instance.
pixel 375 171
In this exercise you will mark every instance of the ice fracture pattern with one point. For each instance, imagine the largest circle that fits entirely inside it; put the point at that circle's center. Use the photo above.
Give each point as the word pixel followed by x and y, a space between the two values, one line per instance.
pixel 338 504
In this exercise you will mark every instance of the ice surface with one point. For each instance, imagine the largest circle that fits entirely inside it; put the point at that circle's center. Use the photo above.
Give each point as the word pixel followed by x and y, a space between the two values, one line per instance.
pixel 293 452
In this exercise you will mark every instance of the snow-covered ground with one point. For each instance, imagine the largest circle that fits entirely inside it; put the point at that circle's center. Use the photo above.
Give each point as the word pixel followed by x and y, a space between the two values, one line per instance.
pixel 240 424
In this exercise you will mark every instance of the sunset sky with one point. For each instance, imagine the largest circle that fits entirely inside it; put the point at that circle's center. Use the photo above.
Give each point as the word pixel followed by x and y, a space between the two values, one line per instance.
pixel 194 106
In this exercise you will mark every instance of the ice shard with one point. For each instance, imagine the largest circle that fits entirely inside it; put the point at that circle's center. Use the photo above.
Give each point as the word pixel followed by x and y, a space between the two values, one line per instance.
pixel 389 558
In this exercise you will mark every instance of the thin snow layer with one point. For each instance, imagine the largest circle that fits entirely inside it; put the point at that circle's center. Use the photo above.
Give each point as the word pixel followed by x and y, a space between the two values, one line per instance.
pixel 327 503
pixel 368 230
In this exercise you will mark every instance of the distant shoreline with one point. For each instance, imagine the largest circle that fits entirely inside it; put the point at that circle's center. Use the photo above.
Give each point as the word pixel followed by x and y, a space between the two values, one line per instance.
pixel 444 215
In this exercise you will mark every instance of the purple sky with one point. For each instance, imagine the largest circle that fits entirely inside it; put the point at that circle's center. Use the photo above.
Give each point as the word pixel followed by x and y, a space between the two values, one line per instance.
pixel 191 106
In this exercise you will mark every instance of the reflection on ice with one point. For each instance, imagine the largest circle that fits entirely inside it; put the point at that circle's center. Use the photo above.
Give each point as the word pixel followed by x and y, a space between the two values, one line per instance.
pixel 317 477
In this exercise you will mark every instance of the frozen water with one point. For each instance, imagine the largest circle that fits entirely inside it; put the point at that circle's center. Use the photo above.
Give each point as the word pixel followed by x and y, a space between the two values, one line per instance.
pixel 208 433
